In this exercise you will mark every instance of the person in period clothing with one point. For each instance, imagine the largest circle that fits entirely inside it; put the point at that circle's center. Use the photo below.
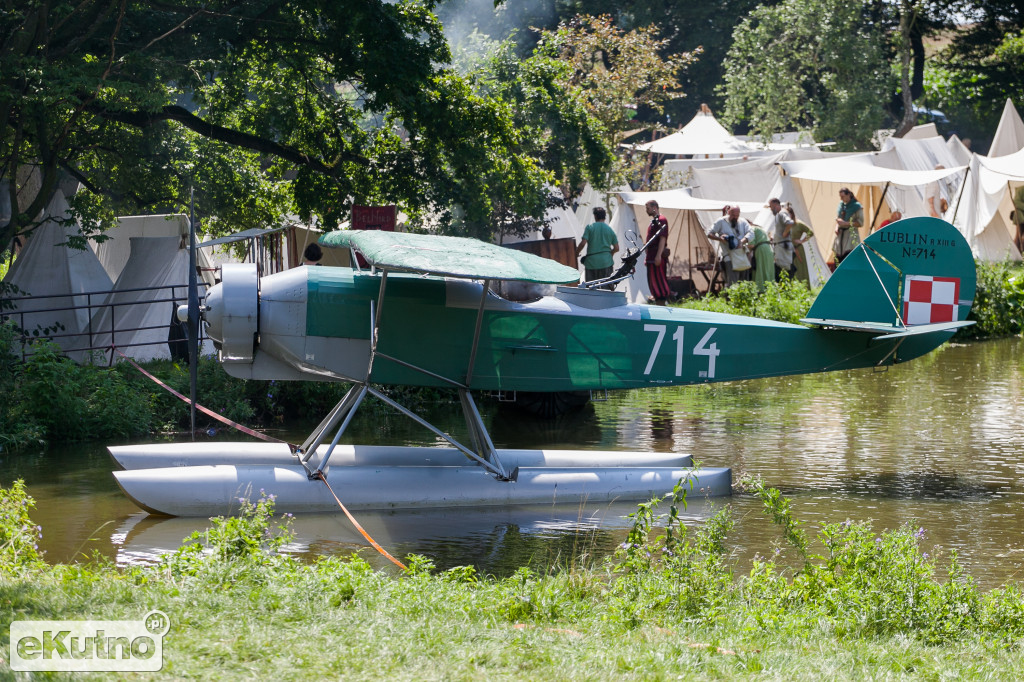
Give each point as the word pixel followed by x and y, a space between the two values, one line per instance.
pixel 934 197
pixel 764 261
pixel 799 233
pixel 730 232
pixel 780 230
pixel 312 254
pixel 601 244
pixel 656 260
pixel 1017 217
pixel 849 220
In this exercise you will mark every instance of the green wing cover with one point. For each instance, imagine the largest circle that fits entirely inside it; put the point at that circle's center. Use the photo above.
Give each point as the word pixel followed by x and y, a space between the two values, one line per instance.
pixel 450 256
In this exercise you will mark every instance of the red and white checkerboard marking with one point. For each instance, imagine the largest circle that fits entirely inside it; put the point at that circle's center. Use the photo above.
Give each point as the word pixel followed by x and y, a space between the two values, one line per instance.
pixel 927 299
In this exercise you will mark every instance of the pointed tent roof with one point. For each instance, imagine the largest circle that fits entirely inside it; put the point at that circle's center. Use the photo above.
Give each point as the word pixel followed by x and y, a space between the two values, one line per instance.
pixel 982 211
pixel 47 267
pixel 921 132
pixel 1009 137
pixel 703 135
pixel 959 150
pixel 139 313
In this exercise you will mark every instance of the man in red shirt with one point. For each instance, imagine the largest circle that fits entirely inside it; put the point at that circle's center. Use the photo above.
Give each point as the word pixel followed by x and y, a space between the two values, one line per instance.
pixel 656 258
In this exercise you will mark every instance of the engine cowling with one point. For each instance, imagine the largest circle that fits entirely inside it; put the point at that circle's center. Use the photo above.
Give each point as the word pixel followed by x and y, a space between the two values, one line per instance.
pixel 232 313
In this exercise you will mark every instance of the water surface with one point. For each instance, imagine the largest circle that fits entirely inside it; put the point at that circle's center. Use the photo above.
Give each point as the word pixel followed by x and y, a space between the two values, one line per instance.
pixel 935 442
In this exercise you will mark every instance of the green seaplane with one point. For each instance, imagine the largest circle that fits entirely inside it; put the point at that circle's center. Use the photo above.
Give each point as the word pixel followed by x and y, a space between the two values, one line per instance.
pixel 424 313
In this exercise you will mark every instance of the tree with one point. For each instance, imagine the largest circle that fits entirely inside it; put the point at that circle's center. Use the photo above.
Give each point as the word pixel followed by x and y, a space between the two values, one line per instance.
pixel 265 107
pixel 704 28
pixel 616 72
pixel 556 127
pixel 815 64
pixel 982 66
pixel 909 13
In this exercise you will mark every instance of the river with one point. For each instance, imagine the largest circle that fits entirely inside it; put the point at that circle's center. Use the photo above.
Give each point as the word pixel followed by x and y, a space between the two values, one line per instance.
pixel 936 443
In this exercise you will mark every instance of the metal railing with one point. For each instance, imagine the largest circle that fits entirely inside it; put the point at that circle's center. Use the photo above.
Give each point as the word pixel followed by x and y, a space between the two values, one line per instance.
pixel 17 308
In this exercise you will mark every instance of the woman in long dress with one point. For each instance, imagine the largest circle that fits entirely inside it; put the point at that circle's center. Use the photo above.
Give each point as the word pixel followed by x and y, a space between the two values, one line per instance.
pixel 799 233
pixel 849 220
pixel 764 258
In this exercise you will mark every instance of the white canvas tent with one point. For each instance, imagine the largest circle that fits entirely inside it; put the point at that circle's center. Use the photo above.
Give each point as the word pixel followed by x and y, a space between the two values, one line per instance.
pixel 924 154
pixel 113 251
pixel 562 221
pixel 819 182
pixel 1009 137
pixel 141 319
pixel 686 228
pixel 982 212
pixel 758 181
pixel 797 139
pixel 46 267
pixel 920 132
pixel 703 135
pixel 681 172
pixel 959 150
pixel 590 199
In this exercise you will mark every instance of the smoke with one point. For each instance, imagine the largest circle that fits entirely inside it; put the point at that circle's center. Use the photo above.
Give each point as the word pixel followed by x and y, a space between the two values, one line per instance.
pixel 462 18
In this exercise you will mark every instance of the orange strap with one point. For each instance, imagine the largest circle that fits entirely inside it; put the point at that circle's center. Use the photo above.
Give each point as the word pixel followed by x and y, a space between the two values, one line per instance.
pixel 396 562
pixel 244 429
pixel 205 410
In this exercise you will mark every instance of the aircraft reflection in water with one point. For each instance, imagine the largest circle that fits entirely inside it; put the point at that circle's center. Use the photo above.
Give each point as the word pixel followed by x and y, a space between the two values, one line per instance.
pixel 496 540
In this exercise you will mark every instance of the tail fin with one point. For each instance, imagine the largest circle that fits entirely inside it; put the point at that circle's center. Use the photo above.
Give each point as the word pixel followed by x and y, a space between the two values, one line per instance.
pixel 917 272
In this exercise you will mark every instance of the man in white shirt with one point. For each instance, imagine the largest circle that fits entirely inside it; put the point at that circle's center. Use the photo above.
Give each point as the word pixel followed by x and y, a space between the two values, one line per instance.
pixel 729 231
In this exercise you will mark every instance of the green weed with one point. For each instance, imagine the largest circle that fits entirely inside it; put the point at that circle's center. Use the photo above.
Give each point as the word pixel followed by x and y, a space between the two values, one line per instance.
pixel 787 300
pixel 867 606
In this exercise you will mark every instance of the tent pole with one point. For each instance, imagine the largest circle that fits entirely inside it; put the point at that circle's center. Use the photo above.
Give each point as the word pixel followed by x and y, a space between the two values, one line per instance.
pixel 961 195
pixel 689 252
pixel 874 218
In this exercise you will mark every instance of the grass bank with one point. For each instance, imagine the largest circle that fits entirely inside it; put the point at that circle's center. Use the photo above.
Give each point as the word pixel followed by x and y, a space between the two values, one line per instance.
pixel 668 605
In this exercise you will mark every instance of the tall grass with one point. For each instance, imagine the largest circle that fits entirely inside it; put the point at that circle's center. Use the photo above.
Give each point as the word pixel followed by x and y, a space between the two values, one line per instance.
pixel 668 604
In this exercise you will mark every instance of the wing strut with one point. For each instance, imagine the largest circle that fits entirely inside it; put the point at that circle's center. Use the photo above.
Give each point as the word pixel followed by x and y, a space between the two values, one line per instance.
pixel 484 452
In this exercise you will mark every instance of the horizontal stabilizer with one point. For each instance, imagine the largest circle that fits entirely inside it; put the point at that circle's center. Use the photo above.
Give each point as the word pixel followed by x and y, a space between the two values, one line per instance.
pixel 888 331
pixel 852 326
pixel 925 329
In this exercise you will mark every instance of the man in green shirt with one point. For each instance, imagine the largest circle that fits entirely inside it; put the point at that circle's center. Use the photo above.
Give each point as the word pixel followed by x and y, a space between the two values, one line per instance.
pixel 600 240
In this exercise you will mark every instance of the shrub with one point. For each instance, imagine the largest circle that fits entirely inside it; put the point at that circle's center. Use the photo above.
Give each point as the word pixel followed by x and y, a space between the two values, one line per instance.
pixel 19 537
pixel 787 300
pixel 246 539
pixel 71 402
pixel 998 302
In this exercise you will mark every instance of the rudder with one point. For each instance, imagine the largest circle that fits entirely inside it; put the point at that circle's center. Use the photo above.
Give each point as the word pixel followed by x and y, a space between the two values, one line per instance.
pixel 912 272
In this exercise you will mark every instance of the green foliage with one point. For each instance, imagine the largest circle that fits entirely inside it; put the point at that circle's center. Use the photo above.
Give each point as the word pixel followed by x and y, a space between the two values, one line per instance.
pixel 777 507
pixel 16 431
pixel 19 537
pixel 53 398
pixel 554 125
pixel 266 109
pixel 808 64
pixel 247 539
pixel 787 300
pixel 998 302
pixel 971 79
pixel 869 605
pixel 616 73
